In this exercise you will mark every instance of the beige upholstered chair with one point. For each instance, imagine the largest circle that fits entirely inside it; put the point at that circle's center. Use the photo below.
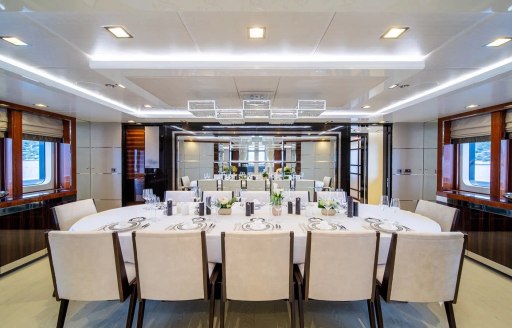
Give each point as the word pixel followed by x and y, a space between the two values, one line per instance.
pixel 422 267
pixel 327 183
pixel 207 185
pixel 231 185
pixel 304 196
pixel 185 182
pixel 180 196
pixel 444 215
pixel 64 216
pixel 257 266
pixel 261 196
pixel 179 273
pixel 324 194
pixel 306 185
pixel 89 266
pixel 281 184
pixel 339 266
pixel 256 185
pixel 217 194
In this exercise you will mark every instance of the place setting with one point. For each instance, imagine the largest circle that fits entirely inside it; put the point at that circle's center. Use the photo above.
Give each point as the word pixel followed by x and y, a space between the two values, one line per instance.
pixel 386 226
pixel 259 224
pixel 131 224
pixel 197 223
pixel 315 223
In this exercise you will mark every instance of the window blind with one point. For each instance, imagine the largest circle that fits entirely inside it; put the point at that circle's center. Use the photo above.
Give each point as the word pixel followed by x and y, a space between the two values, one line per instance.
pixel 471 128
pixel 508 121
pixel 41 128
pixel 3 122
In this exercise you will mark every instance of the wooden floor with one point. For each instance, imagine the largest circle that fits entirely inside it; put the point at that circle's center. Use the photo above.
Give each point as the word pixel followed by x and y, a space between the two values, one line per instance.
pixel 485 300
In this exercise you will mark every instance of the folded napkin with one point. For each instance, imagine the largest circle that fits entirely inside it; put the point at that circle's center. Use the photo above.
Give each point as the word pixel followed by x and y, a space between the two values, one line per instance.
pixel 324 225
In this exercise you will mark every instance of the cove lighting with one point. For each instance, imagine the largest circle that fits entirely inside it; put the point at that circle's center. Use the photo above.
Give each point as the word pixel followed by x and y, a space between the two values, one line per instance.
pixel 13 40
pixel 118 31
pixel 394 33
pixel 257 32
pixel 258 127
pixel 498 42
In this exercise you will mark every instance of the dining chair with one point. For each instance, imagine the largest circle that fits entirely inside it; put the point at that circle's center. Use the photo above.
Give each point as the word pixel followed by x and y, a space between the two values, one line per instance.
pixel 65 215
pixel 281 184
pixel 422 267
pixel 446 216
pixel 305 185
pixel 217 194
pixel 339 266
pixel 231 185
pixel 173 266
pixel 207 185
pixel 324 194
pixel 180 196
pixel 89 266
pixel 250 195
pixel 257 266
pixel 185 182
pixel 303 195
pixel 256 185
pixel 327 183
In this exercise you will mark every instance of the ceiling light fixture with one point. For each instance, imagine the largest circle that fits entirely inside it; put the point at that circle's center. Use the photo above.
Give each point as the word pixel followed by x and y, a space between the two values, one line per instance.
pixel 393 86
pixel 366 107
pixel 4 105
pixel 131 121
pixel 147 106
pixel 394 32
pixel 13 40
pixel 257 32
pixel 472 106
pixel 118 31
pixel 121 86
pixel 499 42
pixel 40 105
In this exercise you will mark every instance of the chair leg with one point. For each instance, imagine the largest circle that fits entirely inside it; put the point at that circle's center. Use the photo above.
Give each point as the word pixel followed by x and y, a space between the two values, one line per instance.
pixel 222 309
pixel 301 307
pixel 62 313
pixel 378 309
pixel 371 313
pixel 212 306
pixel 131 307
pixel 140 318
pixel 449 314
pixel 292 313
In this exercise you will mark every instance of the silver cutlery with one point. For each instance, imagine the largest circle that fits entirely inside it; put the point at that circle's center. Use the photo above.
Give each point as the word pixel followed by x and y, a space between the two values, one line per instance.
pixel 210 227
pixel 145 226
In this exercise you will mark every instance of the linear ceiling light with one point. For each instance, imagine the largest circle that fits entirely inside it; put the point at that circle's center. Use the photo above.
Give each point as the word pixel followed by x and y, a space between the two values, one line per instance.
pixel 257 32
pixel 13 40
pixel 472 106
pixel 41 105
pixel 118 31
pixel 498 42
pixel 394 33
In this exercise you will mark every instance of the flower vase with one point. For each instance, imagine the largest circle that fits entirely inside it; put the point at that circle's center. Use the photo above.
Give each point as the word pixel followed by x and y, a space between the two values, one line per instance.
pixel 328 212
pixel 277 210
pixel 224 211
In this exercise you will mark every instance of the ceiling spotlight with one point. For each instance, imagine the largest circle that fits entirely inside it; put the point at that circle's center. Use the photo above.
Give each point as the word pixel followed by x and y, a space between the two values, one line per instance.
pixel 393 86
pixel 131 121
pixel 366 107
pixel 121 86
pixel 118 31
pixel 148 106
pixel 394 33
pixel 472 106
pixel 498 42
pixel 4 105
pixel 41 105
pixel 13 40
pixel 257 32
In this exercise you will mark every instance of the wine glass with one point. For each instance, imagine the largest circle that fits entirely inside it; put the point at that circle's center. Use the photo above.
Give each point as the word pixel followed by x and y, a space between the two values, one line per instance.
pixel 146 195
pixel 215 206
pixel 383 204
pixel 395 206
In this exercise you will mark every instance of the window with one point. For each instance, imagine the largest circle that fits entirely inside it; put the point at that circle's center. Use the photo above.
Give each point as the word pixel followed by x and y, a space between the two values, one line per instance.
pixel 475 166
pixel 37 165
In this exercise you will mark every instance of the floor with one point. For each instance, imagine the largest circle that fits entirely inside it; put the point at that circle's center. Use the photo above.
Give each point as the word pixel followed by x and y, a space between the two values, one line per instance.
pixel 25 301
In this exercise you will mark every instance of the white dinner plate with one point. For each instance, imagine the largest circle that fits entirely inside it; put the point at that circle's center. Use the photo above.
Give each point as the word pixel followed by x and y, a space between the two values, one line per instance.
pixel 330 227
pixel 251 226
pixel 389 229
pixel 122 226
pixel 190 226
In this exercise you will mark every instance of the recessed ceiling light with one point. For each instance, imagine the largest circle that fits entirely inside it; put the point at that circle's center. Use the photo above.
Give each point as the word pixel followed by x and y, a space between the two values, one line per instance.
pixel 394 33
pixel 131 121
pixel 499 42
pixel 257 32
pixel 472 106
pixel 118 32
pixel 4 105
pixel 366 107
pixel 40 105
pixel 393 86
pixel 121 86
pixel 138 123
pixel 147 106
pixel 13 40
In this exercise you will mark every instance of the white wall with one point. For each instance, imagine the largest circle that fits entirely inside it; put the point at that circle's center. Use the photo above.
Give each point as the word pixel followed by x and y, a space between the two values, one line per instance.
pixel 99 165
pixel 375 164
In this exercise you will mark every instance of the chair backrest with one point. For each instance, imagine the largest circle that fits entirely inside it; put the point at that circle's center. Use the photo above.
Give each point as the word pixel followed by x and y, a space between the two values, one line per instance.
pixel 217 194
pixel 341 265
pixel 250 195
pixel 424 267
pixel 87 266
pixel 256 185
pixel 185 181
pixel 444 215
pixel 180 196
pixel 257 266
pixel 207 185
pixel 325 194
pixel 304 196
pixel 171 265
pixel 231 185
pixel 327 182
pixel 65 215
pixel 306 185
pixel 281 184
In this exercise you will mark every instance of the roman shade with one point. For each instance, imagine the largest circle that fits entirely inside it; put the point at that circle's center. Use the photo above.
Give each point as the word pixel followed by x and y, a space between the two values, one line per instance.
pixel 3 122
pixel 508 121
pixel 41 128
pixel 471 129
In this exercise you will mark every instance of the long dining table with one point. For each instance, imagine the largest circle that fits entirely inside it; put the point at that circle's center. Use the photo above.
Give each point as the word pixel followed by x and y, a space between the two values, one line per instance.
pixel 140 217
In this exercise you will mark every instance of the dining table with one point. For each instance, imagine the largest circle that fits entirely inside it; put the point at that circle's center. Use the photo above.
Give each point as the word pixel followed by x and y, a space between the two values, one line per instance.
pixel 124 220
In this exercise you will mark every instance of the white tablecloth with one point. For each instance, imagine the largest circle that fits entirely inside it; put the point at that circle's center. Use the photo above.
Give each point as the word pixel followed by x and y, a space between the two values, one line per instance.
pixel 229 222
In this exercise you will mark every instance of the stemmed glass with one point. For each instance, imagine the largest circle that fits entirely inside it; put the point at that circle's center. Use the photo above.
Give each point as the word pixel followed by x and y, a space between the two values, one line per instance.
pixel 383 204
pixel 215 206
pixel 146 195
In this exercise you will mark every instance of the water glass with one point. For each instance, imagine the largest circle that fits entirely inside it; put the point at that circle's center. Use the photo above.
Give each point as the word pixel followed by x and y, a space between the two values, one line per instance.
pixel 383 204
pixel 395 205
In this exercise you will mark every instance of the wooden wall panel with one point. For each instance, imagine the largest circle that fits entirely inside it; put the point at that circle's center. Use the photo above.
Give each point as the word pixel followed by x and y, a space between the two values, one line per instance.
pixel 134 151
pixel 506 147
pixel 14 156
pixel 448 167
pixel 497 134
